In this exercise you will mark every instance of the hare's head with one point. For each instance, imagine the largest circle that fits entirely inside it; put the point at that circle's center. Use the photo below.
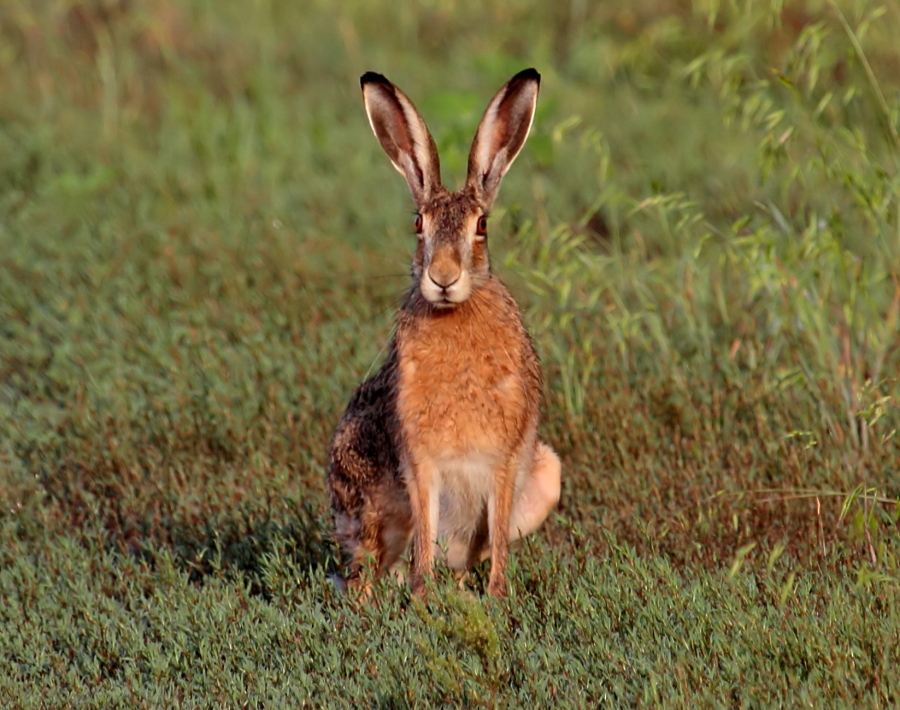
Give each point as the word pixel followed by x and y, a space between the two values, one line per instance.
pixel 452 256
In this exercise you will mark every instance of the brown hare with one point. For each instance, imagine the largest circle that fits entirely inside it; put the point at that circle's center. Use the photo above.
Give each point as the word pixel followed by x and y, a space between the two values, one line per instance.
pixel 440 446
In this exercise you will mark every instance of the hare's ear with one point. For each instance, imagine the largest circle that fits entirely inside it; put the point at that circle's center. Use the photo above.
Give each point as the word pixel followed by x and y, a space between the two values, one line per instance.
pixel 403 135
pixel 502 133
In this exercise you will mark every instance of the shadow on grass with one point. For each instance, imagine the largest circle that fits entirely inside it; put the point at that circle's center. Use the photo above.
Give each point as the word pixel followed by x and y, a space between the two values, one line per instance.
pixel 211 512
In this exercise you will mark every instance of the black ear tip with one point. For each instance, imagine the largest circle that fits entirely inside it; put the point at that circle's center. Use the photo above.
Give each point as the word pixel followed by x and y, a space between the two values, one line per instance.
pixel 371 77
pixel 530 73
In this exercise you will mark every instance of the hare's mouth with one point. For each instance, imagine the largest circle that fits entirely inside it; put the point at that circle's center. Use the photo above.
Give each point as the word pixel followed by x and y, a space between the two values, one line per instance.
pixel 441 302
pixel 446 296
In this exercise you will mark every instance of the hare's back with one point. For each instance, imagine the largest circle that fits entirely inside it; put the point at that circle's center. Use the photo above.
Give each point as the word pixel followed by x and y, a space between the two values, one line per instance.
pixel 364 448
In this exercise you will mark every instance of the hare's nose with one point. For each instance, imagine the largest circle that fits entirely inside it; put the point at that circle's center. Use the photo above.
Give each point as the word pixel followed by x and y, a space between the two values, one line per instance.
pixel 444 280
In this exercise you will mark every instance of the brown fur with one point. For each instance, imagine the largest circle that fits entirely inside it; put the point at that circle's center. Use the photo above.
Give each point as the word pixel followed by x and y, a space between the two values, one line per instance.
pixel 481 348
pixel 442 441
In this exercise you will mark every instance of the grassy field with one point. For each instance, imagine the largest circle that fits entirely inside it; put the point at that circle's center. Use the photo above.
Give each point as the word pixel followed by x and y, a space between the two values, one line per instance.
pixel 201 246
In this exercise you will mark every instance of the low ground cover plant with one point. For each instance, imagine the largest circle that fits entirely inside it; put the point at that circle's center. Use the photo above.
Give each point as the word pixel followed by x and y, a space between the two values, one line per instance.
pixel 200 256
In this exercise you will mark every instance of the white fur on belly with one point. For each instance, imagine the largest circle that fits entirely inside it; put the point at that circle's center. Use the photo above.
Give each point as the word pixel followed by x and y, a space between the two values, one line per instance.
pixel 467 482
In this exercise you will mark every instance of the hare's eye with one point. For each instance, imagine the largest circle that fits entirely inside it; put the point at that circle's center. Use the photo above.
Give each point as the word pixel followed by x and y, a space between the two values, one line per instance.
pixel 481 228
pixel 418 224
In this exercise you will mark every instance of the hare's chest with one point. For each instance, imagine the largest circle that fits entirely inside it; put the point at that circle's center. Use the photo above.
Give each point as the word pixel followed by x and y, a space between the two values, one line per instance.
pixel 457 395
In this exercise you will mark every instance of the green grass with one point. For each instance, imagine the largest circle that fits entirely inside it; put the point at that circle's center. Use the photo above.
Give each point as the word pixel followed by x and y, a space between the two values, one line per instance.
pixel 201 245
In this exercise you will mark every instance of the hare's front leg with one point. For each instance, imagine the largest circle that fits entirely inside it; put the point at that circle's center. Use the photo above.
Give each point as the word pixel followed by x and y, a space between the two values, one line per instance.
pixel 423 481
pixel 499 512
pixel 536 496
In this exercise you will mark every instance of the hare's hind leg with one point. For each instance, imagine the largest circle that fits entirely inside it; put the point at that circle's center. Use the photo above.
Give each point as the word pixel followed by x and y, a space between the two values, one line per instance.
pixel 385 528
pixel 373 540
pixel 372 515
pixel 539 494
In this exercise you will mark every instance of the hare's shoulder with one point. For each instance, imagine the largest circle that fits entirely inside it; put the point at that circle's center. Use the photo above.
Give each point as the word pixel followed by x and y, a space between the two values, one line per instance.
pixel 365 443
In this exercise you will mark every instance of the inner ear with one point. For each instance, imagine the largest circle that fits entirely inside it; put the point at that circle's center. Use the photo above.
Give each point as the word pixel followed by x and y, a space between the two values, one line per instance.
pixel 403 135
pixel 502 133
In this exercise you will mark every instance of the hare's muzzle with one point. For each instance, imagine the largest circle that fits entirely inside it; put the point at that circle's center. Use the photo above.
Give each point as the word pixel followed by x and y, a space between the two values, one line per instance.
pixel 445 283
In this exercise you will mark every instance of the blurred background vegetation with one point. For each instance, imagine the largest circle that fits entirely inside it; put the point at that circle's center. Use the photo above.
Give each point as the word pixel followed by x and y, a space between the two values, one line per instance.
pixel 201 246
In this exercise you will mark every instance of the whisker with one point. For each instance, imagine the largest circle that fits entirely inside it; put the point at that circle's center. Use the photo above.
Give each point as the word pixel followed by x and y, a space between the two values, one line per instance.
pixel 394 305
pixel 394 302
pixel 381 351
pixel 404 275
